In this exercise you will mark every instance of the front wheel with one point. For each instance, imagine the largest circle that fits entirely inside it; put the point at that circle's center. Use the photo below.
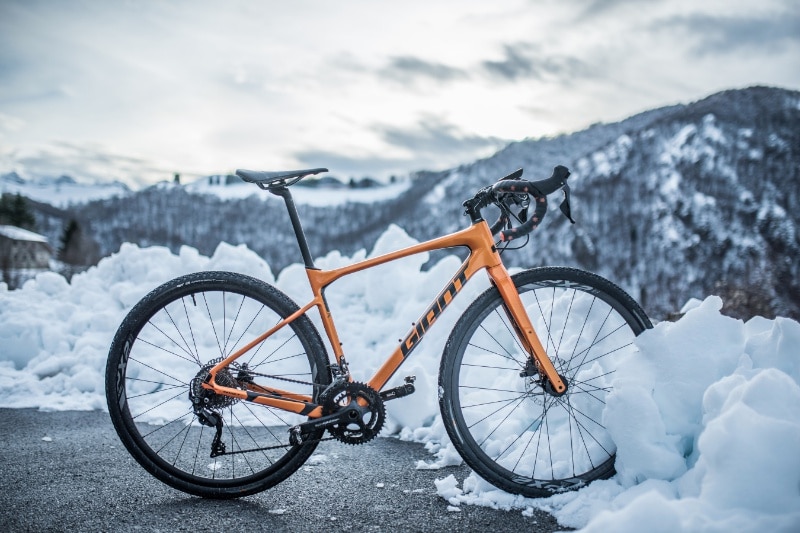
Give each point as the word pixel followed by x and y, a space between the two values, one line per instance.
pixel 160 357
pixel 504 421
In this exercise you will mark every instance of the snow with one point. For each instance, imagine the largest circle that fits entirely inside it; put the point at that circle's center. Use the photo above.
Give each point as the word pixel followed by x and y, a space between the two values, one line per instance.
pixel 706 416
pixel 64 194
pixel 439 192
pixel 711 130
pixel 19 234
pixel 313 196
pixel 707 423
pixel 609 161
pixel 693 144
pixel 68 192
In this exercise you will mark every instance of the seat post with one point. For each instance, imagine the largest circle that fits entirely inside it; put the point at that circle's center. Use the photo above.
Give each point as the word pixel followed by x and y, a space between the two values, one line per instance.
pixel 298 228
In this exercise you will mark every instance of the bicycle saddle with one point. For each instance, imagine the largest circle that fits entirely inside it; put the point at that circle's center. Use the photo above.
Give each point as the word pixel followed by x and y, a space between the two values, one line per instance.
pixel 280 178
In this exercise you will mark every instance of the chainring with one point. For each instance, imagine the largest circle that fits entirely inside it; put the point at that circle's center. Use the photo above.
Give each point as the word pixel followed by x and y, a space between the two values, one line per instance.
pixel 369 411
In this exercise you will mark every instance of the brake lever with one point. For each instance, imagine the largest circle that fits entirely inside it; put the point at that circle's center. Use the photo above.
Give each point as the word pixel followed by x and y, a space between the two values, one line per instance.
pixel 564 207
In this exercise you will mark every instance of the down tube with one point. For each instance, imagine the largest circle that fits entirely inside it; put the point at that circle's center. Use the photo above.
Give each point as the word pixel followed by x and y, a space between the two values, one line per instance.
pixel 421 326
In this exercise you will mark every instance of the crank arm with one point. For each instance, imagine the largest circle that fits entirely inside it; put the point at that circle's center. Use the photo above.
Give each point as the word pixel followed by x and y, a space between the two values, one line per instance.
pixel 298 433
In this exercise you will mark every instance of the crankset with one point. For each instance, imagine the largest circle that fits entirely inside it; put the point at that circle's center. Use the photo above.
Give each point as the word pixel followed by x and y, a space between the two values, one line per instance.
pixel 355 414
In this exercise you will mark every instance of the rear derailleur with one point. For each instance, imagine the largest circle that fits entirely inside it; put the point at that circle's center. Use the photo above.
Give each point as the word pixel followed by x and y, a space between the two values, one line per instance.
pixel 210 418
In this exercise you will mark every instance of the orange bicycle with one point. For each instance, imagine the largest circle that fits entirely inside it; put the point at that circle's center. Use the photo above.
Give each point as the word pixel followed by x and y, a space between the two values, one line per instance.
pixel 221 386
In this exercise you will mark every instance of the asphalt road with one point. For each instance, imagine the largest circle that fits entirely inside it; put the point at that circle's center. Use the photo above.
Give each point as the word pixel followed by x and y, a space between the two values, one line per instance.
pixel 81 478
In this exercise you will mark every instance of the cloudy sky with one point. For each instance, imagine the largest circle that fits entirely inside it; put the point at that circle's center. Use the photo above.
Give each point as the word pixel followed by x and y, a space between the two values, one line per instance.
pixel 137 90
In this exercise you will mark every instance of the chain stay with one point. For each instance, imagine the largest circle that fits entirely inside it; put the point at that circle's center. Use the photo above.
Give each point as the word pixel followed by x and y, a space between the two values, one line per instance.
pixel 220 450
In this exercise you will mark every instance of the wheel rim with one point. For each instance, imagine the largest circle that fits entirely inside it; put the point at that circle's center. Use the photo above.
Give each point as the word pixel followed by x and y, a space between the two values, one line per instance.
pixel 535 438
pixel 171 349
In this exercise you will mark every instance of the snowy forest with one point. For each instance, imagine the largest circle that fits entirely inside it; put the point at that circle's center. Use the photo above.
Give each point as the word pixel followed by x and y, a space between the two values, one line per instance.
pixel 674 203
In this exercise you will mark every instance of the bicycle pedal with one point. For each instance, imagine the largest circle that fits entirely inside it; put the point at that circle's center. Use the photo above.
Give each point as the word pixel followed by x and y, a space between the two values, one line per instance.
pixel 399 392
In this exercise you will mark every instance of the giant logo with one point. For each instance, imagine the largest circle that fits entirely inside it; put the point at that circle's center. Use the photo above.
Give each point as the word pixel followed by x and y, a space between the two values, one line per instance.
pixel 433 312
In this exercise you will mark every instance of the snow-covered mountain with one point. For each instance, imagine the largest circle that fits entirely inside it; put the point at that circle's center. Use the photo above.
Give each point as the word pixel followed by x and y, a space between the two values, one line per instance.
pixel 62 191
pixel 673 203
pixel 679 202
pixel 324 192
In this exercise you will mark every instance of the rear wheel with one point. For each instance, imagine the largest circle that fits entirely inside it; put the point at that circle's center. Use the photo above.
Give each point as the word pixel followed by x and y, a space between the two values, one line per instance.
pixel 162 353
pixel 502 417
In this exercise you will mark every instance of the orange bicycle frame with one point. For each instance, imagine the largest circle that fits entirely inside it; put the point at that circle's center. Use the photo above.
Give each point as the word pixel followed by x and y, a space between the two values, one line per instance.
pixel 483 255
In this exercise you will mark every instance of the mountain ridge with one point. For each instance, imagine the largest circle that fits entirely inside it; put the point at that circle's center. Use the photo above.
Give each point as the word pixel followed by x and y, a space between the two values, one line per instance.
pixel 672 203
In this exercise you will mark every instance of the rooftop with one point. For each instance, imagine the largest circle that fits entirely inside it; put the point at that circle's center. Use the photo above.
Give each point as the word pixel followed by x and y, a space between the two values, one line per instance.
pixel 19 234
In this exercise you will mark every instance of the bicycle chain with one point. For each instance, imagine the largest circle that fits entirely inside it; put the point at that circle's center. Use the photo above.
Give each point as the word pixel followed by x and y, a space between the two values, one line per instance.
pixel 251 373
pixel 343 434
pixel 266 448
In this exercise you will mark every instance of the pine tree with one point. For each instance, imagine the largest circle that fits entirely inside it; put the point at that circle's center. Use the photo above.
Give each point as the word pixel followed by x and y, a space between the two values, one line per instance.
pixel 76 247
pixel 14 211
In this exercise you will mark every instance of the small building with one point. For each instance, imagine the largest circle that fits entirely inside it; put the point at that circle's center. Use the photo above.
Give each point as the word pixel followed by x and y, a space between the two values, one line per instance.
pixel 23 249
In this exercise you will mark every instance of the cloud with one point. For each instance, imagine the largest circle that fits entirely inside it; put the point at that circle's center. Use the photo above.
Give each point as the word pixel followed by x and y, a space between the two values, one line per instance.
pixel 432 143
pixel 406 69
pixel 86 163
pixel 200 86
pixel 526 61
pixel 10 123
pixel 434 136
pixel 346 166
pixel 601 7
pixel 727 34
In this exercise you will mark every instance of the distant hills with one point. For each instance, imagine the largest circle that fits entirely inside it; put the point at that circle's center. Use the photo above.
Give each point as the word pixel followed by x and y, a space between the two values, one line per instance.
pixel 673 203
pixel 60 191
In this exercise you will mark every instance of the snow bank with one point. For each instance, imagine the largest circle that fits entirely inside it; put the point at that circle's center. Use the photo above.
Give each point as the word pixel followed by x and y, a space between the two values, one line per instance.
pixel 706 417
pixel 55 335
pixel 707 423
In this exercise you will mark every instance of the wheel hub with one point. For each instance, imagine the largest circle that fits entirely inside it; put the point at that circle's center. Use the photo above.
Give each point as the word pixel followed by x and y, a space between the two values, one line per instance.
pixel 548 387
pixel 207 398
pixel 537 386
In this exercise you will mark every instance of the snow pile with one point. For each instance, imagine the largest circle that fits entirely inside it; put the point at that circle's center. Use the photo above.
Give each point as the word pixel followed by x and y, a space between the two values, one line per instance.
pixel 706 417
pixel 707 423
pixel 55 336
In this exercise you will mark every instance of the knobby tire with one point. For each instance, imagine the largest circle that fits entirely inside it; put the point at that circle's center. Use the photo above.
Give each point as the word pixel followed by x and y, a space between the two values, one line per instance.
pixel 500 418
pixel 164 343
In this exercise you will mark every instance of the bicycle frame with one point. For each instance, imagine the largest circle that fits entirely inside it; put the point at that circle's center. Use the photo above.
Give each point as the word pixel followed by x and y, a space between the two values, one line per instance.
pixel 482 255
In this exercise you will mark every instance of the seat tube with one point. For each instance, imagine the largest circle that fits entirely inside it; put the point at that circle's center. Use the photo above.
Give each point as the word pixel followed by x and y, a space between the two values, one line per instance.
pixel 523 326
pixel 284 193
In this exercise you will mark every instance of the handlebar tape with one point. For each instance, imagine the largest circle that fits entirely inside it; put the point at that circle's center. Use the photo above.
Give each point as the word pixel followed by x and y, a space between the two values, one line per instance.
pixel 539 190
pixel 530 224
pixel 543 187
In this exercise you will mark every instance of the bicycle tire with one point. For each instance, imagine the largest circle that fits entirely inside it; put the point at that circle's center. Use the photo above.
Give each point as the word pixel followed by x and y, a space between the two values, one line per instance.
pixel 506 427
pixel 173 335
